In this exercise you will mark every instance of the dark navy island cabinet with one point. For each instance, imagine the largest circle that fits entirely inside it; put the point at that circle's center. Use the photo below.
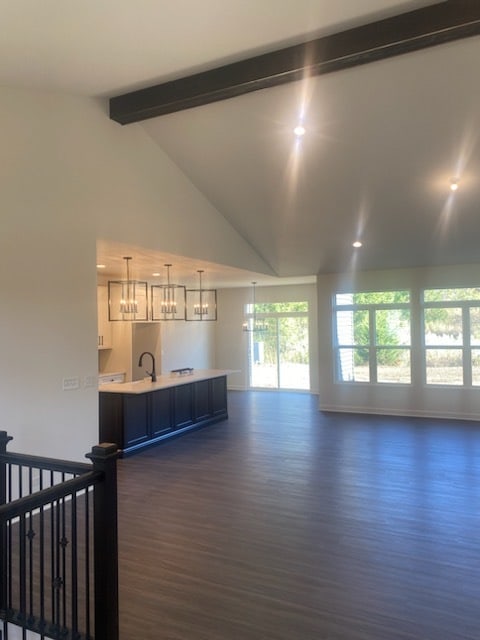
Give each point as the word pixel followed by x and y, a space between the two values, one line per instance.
pixel 137 420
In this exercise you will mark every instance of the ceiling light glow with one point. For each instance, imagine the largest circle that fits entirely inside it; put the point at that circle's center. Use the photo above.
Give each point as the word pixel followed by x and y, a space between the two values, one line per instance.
pixel 453 184
pixel 357 244
pixel 299 130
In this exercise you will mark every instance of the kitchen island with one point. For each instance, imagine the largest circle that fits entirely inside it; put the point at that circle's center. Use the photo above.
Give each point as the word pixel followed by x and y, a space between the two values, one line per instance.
pixel 142 413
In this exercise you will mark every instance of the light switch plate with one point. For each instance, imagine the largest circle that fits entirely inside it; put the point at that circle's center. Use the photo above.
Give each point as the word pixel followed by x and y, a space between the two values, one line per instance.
pixel 90 381
pixel 70 384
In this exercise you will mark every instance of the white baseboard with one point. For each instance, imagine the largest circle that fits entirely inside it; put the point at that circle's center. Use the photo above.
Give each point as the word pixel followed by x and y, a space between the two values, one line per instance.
pixel 407 413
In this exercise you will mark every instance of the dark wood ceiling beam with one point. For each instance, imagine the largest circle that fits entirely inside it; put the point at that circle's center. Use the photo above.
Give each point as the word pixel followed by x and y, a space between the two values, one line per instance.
pixel 437 24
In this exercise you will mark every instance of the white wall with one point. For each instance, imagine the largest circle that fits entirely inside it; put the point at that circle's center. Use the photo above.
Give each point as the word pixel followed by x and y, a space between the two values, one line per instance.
pixel 69 176
pixel 188 344
pixel 47 285
pixel 231 341
pixel 416 399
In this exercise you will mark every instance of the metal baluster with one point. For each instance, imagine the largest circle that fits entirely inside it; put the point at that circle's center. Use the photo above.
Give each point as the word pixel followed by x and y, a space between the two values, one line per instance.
pixel 30 536
pixel 62 578
pixel 9 543
pixel 22 551
pixel 52 560
pixel 87 566
pixel 74 559
pixel 5 474
pixel 42 564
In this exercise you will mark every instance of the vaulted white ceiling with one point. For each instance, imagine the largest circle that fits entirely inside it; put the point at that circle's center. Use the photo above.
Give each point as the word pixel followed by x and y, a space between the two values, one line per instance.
pixel 382 140
pixel 105 47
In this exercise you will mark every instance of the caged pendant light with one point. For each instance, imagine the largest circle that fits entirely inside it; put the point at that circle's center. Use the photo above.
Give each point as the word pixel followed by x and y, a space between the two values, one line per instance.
pixel 201 304
pixel 127 299
pixel 168 300
pixel 251 324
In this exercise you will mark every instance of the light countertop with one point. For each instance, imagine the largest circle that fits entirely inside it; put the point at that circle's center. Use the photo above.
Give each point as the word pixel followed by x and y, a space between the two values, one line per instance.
pixel 163 381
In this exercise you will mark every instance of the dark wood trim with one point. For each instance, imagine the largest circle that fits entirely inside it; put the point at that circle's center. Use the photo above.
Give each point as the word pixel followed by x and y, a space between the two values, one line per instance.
pixel 439 23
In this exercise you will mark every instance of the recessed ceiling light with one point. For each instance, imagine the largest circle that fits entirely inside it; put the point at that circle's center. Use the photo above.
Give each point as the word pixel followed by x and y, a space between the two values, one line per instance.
pixel 299 130
pixel 156 274
pixel 357 244
pixel 101 266
pixel 453 184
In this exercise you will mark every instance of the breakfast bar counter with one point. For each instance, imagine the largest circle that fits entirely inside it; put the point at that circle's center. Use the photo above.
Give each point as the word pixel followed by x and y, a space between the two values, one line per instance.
pixel 139 414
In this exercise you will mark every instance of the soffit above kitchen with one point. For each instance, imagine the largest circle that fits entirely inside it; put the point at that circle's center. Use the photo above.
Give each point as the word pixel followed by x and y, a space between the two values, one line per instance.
pixel 149 265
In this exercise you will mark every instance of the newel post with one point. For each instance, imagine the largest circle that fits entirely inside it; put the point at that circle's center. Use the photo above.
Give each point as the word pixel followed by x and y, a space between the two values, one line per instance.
pixel 4 440
pixel 104 457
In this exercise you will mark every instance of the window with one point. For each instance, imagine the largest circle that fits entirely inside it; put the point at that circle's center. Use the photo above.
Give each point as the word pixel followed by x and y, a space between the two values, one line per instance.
pixel 451 329
pixel 279 356
pixel 373 337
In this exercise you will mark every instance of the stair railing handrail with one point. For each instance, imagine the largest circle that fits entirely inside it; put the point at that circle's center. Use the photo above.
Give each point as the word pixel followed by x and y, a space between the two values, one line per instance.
pixel 22 506
pixel 42 462
pixel 100 477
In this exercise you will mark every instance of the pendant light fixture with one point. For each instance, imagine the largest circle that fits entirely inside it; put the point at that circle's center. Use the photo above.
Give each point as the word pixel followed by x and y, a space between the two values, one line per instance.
pixel 127 299
pixel 168 300
pixel 251 324
pixel 201 303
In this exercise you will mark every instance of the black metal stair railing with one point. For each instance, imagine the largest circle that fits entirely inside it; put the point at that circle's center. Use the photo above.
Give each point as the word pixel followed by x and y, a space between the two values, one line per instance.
pixel 58 546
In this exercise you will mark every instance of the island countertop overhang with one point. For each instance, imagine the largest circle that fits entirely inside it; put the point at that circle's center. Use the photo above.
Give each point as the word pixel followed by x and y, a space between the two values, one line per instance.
pixel 164 381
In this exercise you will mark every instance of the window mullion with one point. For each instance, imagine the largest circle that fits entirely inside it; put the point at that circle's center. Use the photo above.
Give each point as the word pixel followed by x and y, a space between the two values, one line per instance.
pixel 373 346
pixel 277 327
pixel 467 348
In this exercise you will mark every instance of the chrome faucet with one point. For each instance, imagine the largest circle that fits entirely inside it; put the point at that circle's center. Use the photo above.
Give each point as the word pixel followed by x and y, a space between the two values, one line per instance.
pixel 153 373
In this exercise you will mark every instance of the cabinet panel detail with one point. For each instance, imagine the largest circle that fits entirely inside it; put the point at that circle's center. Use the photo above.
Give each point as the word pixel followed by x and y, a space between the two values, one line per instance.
pixel 111 418
pixel 183 405
pixel 161 412
pixel 219 396
pixel 203 402
pixel 135 419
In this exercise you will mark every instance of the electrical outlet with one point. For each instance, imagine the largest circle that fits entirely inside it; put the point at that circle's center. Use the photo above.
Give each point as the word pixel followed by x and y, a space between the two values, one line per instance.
pixel 70 384
pixel 90 381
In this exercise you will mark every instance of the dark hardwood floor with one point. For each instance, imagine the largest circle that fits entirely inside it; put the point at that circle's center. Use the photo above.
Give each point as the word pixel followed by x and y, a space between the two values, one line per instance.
pixel 283 523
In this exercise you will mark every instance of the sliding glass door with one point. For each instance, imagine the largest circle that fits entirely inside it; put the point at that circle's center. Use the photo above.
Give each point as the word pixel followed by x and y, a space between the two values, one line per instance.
pixel 279 355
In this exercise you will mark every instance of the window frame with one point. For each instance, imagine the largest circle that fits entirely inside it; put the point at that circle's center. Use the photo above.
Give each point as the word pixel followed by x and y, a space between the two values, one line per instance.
pixel 372 347
pixel 466 348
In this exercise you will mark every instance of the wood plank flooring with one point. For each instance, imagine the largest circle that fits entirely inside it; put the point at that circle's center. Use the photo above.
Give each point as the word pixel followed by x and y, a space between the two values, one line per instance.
pixel 286 523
